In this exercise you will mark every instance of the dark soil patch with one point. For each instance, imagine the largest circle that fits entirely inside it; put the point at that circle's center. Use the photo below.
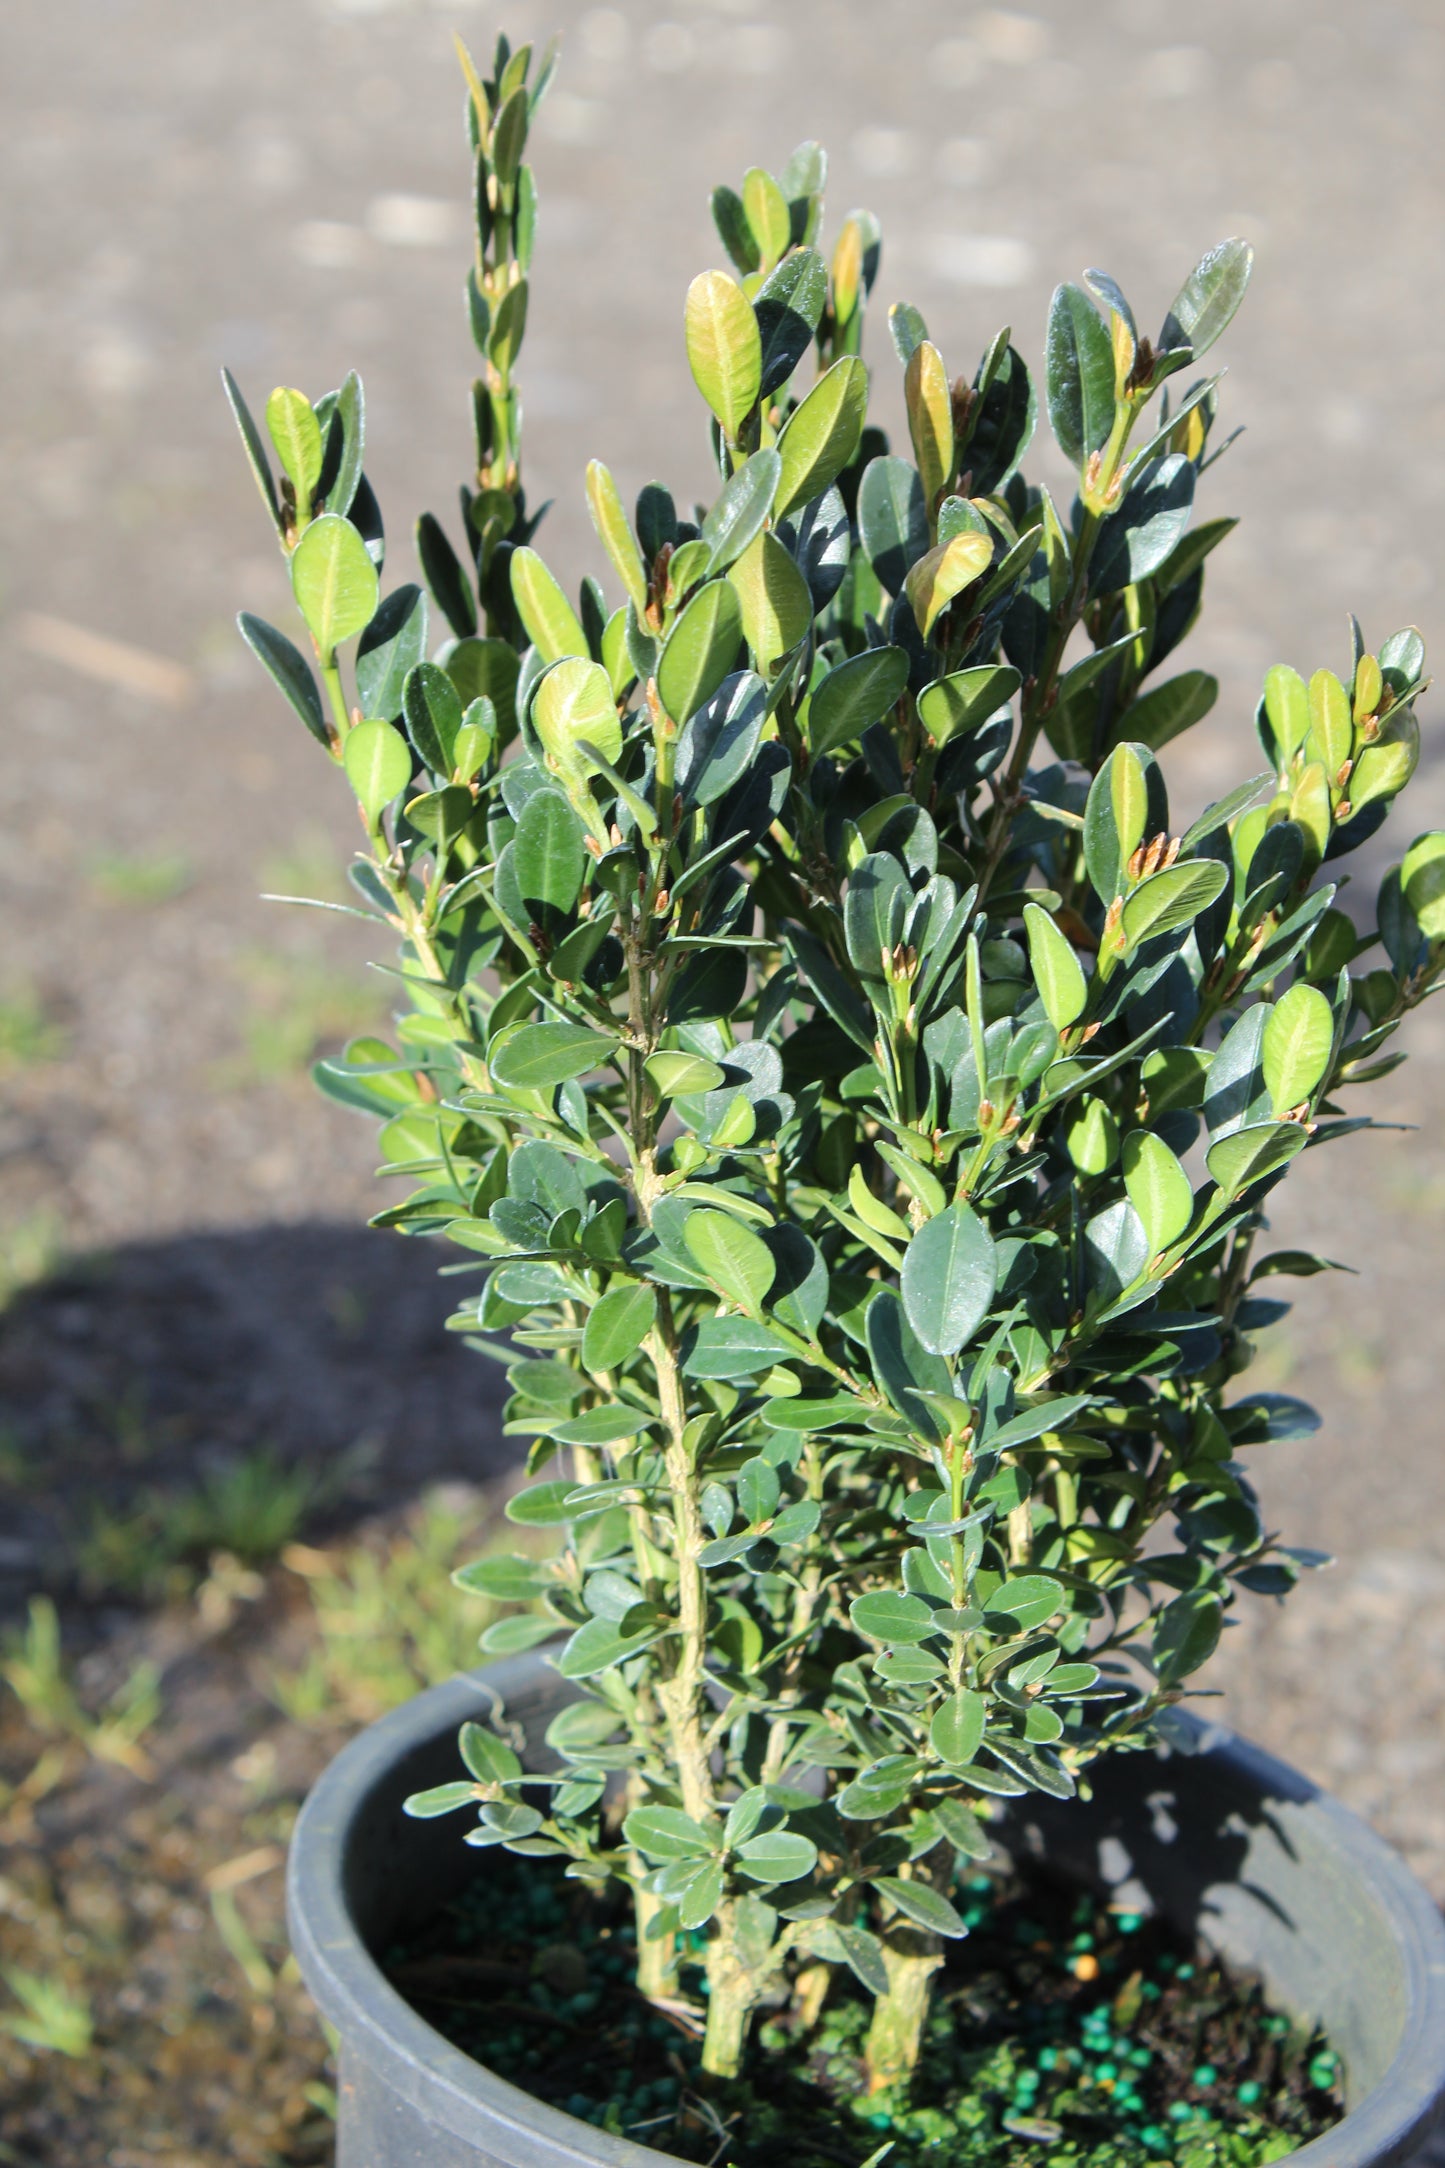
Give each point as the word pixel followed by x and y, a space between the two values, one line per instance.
pixel 1061 2033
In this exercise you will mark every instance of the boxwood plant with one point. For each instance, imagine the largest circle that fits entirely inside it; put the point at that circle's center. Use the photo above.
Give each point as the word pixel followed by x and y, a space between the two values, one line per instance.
pixel 852 1101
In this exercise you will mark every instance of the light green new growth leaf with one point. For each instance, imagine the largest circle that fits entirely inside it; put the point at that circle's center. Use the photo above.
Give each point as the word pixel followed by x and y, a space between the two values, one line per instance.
pixel 944 572
pixel 1158 1187
pixel 334 582
pixel 954 705
pixel 1171 898
pixel 1058 974
pixel 1422 883
pixel 1298 1040
pixel 822 434
pixel 551 622
pixel 378 765
pixel 293 428
pixel 1287 705
pixel 574 701
pixel 615 535
pixel 777 608
pixel 724 348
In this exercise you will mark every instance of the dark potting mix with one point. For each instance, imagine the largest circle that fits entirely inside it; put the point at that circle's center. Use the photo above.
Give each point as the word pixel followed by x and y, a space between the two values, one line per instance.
pixel 1062 2032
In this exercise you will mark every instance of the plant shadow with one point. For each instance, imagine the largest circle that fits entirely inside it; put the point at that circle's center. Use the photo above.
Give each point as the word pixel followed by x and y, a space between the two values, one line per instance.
pixel 254 1380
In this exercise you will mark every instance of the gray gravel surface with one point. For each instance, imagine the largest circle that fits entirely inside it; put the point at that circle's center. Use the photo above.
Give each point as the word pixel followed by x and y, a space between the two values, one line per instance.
pixel 279 186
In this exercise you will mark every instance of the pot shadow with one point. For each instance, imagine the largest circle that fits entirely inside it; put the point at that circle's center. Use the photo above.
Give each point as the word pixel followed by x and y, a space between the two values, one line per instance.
pixel 315 1350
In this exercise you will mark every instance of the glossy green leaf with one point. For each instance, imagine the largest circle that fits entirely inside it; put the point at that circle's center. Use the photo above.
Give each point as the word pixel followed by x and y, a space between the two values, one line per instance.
pixel 551 622
pixel 1172 898
pixel 742 509
pixel 392 644
pixel 573 704
pixel 700 650
pixel 1158 1187
pixel 1079 374
pixel 617 1325
pixel 1115 820
pixel 1186 1634
pixel 1028 1599
pixel 378 765
pixel 601 1645
pixel 334 581
pixel 718 744
pixel 949 1275
pixel 615 535
pixel 432 710
pixel 443 572
pixel 929 403
pixel 1205 304
pixel 666 1833
pixel 1058 974
pixel 289 670
pixel 888 1615
pixel 777 1855
pixel 548 856
pixel 942 573
pixel 956 1731
pixel 673 1073
pixel 724 349
pixel 255 449
pixel 1298 1041
pixel 350 418
pixel 736 1261
pixel 777 608
pixel 295 432
pixel 952 706
pixel 892 519
pixel 540 1056
pixel 822 434
pixel 766 211
pixel 924 1905
pixel 1137 539
pixel 1248 1154
pixel 854 695
pixel 440 1799
pixel 789 305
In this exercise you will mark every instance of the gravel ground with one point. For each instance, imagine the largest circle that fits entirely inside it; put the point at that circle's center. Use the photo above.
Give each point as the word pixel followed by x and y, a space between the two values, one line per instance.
pixel 280 187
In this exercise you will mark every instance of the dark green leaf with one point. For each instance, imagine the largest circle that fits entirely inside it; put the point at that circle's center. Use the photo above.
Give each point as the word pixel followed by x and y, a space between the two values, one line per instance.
pixel 392 645
pixel 718 742
pixel 890 1616
pixel 956 1731
pixel 788 306
pixel 854 695
pixel 778 1855
pixel 617 1325
pixel 892 519
pixel 1206 302
pixel 288 669
pixel 948 1279
pixel 442 570
pixel 666 1833
pixel 1079 372
pixel 739 514
pixel 921 1903
pixel 540 1056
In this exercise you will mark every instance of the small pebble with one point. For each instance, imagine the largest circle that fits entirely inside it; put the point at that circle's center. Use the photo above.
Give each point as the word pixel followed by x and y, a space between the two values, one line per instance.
pixel 1085 1967
pixel 1206 2074
pixel 1248 2093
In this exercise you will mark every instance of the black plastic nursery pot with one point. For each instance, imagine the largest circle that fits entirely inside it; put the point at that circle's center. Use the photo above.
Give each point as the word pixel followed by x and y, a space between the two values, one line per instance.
pixel 1230 1845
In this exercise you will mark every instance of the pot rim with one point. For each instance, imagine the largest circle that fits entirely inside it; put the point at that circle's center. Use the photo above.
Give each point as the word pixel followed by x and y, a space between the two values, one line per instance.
pixel 354 1994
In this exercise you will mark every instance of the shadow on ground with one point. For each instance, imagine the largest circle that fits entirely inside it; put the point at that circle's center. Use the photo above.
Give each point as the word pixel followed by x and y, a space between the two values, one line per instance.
pixel 317 1352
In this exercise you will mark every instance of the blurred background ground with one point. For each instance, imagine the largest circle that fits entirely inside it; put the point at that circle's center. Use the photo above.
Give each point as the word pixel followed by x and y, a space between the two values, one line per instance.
pixel 234 1439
